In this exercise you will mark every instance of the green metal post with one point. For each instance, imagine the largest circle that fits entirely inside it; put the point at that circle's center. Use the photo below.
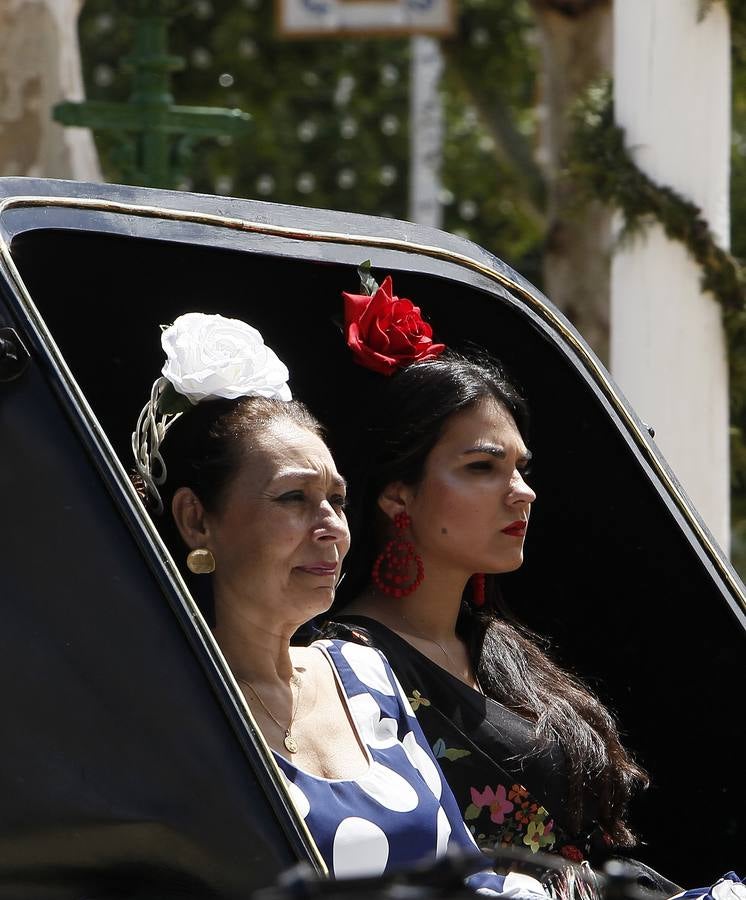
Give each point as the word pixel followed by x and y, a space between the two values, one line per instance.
pixel 153 131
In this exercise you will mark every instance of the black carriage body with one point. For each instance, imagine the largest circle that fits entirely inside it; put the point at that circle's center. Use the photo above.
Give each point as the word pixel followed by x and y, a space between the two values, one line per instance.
pixel 130 760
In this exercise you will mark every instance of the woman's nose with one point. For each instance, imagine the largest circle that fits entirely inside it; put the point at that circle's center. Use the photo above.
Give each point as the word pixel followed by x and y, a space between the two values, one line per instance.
pixel 520 491
pixel 332 525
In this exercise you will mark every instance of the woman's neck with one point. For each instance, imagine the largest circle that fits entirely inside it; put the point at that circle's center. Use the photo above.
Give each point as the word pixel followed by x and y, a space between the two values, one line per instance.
pixel 430 612
pixel 426 619
pixel 256 647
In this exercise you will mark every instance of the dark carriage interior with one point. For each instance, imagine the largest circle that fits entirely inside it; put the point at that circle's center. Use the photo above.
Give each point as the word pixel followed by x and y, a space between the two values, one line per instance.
pixel 609 576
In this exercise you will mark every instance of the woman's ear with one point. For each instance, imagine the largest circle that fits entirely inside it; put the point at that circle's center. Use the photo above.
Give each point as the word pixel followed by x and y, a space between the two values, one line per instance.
pixel 189 516
pixel 394 499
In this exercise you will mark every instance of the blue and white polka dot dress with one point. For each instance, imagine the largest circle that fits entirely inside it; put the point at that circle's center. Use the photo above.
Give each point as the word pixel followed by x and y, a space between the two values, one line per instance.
pixel 401 810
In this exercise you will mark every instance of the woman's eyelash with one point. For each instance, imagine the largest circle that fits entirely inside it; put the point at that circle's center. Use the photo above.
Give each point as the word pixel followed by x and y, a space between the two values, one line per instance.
pixel 487 466
pixel 292 495
pixel 337 500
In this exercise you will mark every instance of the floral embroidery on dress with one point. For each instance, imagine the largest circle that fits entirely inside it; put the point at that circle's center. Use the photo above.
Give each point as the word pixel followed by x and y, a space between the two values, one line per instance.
pixel 518 793
pixel 496 801
pixel 417 700
pixel 539 832
pixel 523 821
pixel 440 751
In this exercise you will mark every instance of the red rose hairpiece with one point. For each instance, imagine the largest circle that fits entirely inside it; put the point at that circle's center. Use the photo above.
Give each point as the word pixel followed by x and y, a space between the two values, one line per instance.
pixel 385 332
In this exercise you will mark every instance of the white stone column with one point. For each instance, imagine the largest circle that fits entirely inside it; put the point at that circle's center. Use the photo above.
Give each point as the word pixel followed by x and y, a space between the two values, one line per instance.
pixel 668 353
pixel 40 66
pixel 425 131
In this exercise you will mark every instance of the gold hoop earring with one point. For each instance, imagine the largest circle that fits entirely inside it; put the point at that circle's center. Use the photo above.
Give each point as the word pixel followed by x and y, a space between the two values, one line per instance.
pixel 201 561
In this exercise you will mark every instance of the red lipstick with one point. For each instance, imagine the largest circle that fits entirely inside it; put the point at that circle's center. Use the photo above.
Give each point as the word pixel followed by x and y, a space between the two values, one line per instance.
pixel 516 529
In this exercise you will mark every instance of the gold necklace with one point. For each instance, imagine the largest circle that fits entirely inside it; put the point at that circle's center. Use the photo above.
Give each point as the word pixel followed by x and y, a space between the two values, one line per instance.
pixel 424 637
pixel 447 655
pixel 291 745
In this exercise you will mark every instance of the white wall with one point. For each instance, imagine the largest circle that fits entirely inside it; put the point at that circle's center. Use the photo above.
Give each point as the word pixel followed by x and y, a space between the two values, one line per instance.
pixel 672 96
pixel 40 66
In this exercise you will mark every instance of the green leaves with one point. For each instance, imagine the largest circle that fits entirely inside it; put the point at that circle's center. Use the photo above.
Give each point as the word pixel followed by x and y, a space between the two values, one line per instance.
pixel 453 754
pixel 440 751
pixel 599 157
pixel 368 283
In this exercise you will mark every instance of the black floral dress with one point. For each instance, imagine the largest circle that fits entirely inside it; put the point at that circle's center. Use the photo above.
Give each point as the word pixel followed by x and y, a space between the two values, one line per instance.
pixel 511 787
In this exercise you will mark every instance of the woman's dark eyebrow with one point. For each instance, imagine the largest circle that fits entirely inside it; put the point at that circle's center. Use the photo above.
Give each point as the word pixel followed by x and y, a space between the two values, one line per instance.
pixel 486 448
pixel 497 452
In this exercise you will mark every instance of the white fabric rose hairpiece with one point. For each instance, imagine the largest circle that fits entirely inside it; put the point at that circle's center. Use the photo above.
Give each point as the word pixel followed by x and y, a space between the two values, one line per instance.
pixel 211 356
pixel 207 357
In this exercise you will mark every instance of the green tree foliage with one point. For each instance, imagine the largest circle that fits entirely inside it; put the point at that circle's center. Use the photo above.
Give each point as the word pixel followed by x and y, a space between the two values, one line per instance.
pixel 331 116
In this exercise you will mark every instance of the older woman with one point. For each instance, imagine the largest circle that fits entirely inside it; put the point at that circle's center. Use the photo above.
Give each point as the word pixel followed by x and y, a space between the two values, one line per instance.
pixel 443 506
pixel 256 498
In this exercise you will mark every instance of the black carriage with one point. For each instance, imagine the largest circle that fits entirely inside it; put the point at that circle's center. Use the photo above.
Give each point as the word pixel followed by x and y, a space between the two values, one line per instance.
pixel 131 763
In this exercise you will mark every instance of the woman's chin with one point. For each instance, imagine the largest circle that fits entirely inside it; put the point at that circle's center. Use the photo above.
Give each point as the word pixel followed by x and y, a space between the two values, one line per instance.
pixel 507 564
pixel 312 604
pixel 322 599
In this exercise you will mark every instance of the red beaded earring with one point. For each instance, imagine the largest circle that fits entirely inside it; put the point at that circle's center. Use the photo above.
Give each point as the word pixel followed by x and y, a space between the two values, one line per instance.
pixel 478 589
pixel 397 556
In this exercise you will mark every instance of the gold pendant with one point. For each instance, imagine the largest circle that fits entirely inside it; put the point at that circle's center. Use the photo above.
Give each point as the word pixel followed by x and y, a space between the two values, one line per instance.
pixel 290 743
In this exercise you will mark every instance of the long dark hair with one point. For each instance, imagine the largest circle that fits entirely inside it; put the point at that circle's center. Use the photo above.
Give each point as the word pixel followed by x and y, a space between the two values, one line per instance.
pixel 404 422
